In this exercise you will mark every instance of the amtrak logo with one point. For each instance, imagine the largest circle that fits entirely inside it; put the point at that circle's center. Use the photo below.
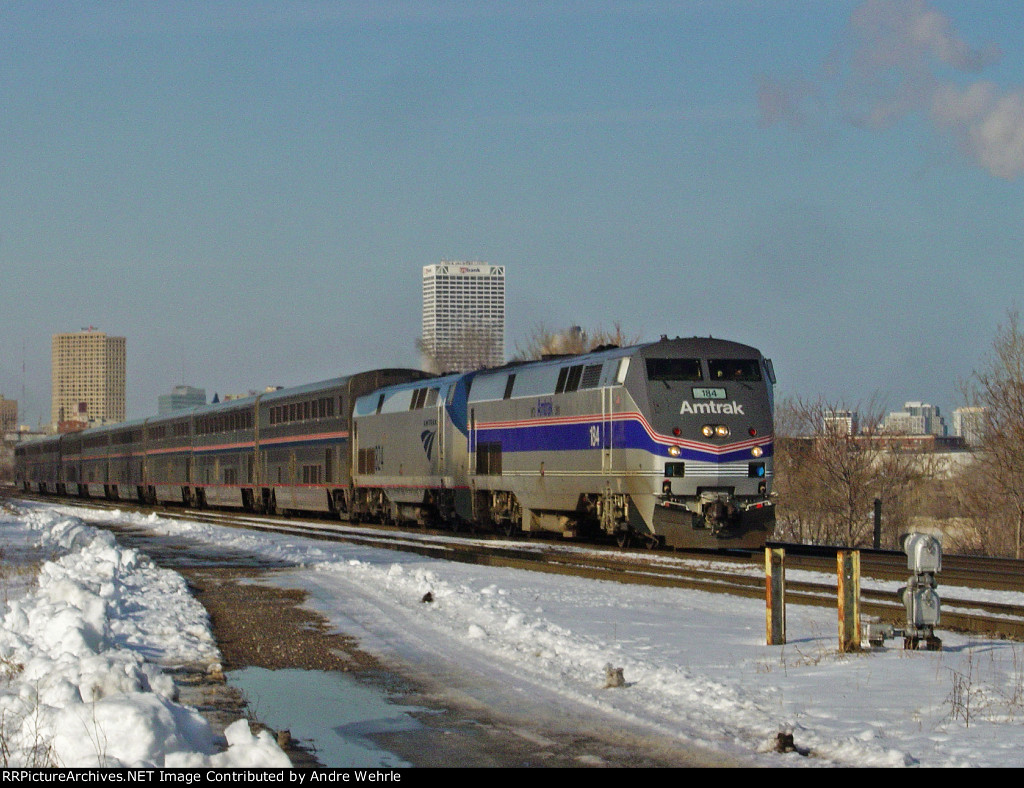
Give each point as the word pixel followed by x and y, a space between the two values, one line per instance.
pixel 734 407
pixel 427 438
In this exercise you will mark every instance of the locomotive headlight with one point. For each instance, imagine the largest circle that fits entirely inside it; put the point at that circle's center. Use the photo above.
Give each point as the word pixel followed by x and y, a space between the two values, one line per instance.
pixel 757 451
pixel 708 431
pixel 721 431
pixel 674 451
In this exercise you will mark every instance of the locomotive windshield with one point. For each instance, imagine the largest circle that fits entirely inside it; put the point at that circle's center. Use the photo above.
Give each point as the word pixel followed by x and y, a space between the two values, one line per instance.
pixel 734 369
pixel 674 369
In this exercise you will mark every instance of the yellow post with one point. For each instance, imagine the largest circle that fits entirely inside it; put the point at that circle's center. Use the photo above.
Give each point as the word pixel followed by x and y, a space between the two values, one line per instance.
pixel 848 567
pixel 775 595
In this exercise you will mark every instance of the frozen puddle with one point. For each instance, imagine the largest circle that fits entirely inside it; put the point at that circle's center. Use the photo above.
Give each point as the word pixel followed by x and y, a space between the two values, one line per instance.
pixel 329 712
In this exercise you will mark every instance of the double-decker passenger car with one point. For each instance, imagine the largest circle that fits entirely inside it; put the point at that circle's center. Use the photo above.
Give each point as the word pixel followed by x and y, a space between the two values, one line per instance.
pixel 285 449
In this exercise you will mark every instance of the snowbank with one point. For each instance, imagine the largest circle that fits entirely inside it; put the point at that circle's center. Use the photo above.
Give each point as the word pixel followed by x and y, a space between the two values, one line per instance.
pixel 695 665
pixel 79 656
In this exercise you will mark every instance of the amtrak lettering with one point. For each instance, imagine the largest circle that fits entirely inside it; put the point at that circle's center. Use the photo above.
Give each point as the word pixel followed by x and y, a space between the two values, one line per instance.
pixel 733 407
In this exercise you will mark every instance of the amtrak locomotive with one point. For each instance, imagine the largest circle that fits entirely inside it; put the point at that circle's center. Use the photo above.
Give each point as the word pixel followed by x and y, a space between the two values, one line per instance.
pixel 664 443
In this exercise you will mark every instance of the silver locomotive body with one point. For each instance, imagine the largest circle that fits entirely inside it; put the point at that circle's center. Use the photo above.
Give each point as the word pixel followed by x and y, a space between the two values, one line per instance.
pixel 410 453
pixel 664 443
pixel 668 443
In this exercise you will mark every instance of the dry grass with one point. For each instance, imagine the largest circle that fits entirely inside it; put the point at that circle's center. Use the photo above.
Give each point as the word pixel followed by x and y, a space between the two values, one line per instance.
pixel 974 695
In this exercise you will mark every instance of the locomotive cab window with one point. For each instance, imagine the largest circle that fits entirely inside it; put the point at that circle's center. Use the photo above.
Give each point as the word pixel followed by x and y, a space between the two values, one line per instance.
pixel 674 369
pixel 747 370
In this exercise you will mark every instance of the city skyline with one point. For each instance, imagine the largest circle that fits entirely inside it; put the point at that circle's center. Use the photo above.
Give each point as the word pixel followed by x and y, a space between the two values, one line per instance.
pixel 77 349
pixel 248 190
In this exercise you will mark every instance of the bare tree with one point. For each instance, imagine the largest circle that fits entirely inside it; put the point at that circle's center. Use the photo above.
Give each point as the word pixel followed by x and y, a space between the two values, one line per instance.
pixel 983 520
pixel 470 347
pixel 6 461
pixel 998 389
pixel 828 475
pixel 571 341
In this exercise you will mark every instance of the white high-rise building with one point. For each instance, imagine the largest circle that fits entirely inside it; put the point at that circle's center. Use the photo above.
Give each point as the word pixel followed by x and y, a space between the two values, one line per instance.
pixel 463 316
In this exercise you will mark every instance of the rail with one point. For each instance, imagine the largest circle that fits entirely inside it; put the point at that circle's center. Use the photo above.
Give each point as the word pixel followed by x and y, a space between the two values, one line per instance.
pixel 882 571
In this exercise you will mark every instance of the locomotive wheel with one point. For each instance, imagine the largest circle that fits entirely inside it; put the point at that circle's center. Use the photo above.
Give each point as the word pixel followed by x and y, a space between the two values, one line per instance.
pixel 510 528
pixel 623 538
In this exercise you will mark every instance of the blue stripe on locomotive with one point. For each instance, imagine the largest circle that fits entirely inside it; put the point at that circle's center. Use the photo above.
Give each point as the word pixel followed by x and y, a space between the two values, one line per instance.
pixel 578 437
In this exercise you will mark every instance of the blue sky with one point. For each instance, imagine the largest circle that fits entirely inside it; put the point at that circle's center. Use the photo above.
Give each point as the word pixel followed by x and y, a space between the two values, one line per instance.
pixel 248 191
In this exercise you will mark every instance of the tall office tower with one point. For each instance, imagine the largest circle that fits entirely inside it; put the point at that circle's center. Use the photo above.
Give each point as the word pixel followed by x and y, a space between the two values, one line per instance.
pixel 88 378
pixel 463 316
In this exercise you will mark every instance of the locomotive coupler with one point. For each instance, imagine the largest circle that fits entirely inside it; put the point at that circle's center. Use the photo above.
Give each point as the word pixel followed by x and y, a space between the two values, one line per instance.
pixel 718 510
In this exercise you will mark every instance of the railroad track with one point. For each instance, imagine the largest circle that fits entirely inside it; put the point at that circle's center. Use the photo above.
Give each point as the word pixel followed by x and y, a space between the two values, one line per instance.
pixel 968 608
pixel 997 574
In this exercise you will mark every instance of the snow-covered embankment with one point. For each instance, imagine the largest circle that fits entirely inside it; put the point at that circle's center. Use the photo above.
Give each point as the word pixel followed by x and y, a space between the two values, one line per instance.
pixel 80 656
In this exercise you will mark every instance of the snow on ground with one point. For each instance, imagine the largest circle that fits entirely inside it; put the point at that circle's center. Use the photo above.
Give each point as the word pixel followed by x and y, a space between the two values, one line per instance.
pixel 80 655
pixel 695 664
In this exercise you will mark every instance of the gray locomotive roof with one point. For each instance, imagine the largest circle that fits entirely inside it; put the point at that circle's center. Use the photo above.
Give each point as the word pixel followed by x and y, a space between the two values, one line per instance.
pixel 562 361
pixel 367 403
pixel 535 378
pixel 432 382
pixel 699 345
pixel 538 378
